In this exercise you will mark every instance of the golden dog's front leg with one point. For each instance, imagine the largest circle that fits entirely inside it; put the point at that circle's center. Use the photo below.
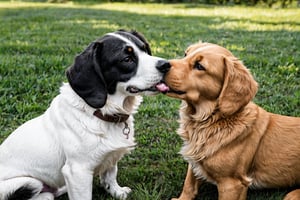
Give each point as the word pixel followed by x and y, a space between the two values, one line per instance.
pixel 190 187
pixel 233 189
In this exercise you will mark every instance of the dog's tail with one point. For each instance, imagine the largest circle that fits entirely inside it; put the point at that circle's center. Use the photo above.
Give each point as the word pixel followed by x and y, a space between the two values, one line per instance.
pixel 23 193
pixel 21 188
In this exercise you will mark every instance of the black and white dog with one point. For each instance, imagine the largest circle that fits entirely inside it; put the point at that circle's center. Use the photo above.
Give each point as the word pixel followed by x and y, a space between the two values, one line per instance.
pixel 88 126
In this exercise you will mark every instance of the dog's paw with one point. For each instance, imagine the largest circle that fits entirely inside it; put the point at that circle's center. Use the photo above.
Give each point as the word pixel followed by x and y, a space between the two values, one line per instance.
pixel 116 191
pixel 122 193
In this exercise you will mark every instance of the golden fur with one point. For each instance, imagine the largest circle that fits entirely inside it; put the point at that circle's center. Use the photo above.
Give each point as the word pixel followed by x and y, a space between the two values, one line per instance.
pixel 228 139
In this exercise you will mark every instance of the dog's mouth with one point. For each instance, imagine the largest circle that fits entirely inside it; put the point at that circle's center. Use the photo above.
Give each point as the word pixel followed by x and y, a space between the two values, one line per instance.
pixel 159 87
pixel 164 88
pixel 135 90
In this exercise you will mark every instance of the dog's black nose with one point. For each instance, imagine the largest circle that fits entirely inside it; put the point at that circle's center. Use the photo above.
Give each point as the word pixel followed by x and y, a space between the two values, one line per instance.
pixel 163 66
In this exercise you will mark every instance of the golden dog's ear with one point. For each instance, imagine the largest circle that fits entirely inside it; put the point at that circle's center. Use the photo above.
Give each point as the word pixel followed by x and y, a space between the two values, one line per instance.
pixel 239 87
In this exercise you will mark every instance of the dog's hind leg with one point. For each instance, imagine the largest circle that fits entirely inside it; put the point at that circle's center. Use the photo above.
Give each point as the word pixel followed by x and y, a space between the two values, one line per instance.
pixel 21 188
pixel 109 182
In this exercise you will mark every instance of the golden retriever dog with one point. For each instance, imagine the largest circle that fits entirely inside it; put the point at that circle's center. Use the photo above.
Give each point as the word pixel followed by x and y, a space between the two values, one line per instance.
pixel 227 139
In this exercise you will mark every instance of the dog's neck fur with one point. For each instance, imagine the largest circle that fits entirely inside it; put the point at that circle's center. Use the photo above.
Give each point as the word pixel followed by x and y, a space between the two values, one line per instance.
pixel 200 112
pixel 117 103
pixel 205 111
pixel 203 136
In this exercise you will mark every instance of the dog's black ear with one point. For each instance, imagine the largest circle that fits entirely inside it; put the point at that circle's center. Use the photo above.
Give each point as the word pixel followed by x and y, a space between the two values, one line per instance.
pixel 86 78
pixel 143 39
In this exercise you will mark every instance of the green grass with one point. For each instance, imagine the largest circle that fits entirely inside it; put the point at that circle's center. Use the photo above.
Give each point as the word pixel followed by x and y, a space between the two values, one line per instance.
pixel 39 41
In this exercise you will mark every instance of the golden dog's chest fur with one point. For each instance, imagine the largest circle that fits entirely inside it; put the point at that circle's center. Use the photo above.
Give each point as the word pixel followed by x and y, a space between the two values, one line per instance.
pixel 228 139
pixel 242 146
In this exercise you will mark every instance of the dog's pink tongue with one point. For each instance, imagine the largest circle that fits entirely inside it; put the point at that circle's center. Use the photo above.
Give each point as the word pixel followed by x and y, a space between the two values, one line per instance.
pixel 162 87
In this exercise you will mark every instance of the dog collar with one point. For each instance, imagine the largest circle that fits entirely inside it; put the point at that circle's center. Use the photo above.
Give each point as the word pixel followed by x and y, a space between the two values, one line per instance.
pixel 115 118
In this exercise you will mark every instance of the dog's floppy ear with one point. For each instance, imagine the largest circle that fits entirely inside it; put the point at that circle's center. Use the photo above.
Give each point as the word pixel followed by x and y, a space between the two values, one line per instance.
pixel 85 76
pixel 143 39
pixel 239 87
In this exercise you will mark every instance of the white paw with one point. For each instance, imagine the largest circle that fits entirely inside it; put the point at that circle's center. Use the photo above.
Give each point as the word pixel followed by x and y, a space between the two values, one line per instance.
pixel 121 193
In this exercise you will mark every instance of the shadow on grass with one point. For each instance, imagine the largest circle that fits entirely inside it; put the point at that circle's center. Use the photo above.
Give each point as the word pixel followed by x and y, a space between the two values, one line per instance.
pixel 47 25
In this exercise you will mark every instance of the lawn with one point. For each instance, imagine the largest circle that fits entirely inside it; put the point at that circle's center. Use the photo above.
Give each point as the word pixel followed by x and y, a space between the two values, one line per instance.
pixel 39 41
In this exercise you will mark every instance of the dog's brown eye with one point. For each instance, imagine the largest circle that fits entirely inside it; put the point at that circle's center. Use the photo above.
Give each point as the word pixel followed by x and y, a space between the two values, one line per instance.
pixel 198 66
pixel 129 49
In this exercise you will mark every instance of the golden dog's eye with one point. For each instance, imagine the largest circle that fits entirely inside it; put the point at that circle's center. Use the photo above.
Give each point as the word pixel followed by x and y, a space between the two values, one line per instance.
pixel 198 66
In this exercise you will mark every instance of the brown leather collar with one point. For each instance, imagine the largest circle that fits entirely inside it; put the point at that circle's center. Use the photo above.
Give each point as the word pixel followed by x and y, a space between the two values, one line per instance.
pixel 115 118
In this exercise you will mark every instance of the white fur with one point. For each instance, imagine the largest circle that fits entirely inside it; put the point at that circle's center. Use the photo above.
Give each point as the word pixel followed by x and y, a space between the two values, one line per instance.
pixel 64 147
pixel 146 76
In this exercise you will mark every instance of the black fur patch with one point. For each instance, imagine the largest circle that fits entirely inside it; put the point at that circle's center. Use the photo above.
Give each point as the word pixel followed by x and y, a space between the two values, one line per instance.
pixel 22 193
pixel 107 61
